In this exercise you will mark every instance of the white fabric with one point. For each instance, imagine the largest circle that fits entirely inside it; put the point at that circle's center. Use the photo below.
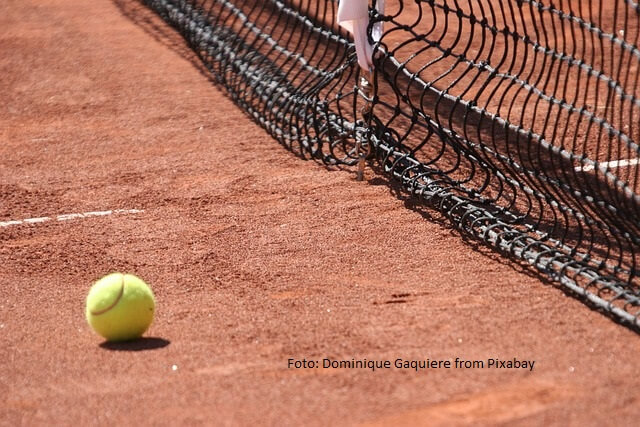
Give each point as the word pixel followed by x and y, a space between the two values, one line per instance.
pixel 352 10
pixel 353 16
pixel 376 31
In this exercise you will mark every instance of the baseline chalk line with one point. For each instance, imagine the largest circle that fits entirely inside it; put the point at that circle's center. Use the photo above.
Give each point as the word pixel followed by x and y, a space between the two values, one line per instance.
pixel 68 217
pixel 603 166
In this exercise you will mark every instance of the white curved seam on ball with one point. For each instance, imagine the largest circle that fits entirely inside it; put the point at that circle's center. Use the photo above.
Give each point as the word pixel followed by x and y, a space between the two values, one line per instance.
pixel 104 310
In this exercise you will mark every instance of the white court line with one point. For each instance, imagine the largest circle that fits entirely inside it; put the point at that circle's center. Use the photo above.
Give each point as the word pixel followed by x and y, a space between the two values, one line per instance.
pixel 603 166
pixel 67 217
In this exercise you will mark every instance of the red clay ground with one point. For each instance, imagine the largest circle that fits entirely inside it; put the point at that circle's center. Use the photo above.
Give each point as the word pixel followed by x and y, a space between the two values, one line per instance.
pixel 255 256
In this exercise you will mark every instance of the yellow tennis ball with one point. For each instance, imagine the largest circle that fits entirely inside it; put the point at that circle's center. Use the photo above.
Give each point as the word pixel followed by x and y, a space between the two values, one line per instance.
pixel 120 307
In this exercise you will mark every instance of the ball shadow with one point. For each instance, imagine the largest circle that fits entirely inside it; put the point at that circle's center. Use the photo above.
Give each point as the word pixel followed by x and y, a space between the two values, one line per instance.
pixel 141 344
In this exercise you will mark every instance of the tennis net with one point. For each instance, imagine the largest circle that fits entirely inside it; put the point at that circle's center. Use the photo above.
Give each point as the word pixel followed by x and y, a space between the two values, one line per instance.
pixel 519 120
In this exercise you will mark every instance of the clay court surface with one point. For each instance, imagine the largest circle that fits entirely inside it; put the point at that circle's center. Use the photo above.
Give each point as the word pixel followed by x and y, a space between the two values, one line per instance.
pixel 255 257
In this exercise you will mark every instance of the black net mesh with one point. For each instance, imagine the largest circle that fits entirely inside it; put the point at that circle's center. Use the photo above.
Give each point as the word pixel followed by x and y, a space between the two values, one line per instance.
pixel 519 120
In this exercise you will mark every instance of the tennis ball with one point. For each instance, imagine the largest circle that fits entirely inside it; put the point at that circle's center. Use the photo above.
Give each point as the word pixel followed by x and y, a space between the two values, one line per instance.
pixel 120 307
